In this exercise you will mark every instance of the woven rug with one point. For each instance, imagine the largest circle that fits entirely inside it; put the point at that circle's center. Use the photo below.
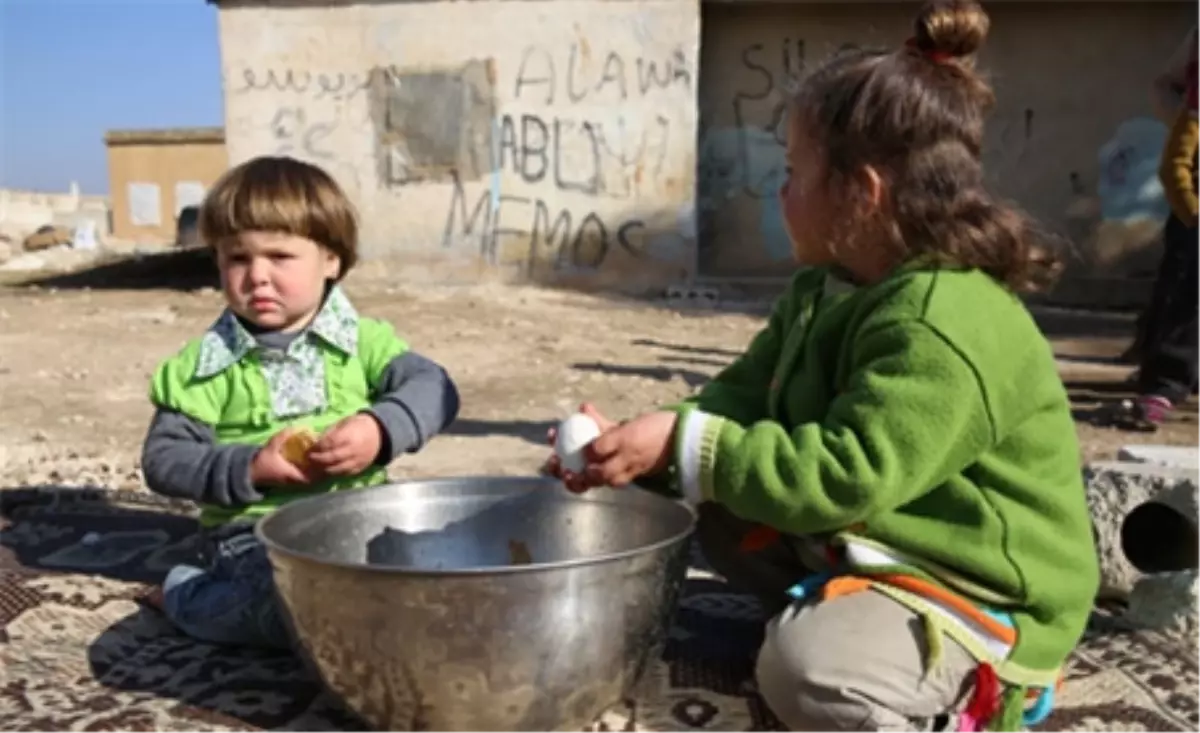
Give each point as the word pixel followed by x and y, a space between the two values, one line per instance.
pixel 80 652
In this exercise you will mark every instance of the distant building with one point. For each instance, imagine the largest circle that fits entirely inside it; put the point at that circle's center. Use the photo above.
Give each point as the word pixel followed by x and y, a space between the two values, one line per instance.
pixel 156 177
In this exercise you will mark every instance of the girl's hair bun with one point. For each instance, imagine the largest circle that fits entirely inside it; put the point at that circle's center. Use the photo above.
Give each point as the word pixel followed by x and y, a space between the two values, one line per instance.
pixel 952 28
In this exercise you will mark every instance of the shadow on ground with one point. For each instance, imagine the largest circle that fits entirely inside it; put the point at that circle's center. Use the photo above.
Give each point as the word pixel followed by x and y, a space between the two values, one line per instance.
pixel 185 268
pixel 657 373
pixel 533 431
pixel 123 535
pixel 58 545
pixel 688 349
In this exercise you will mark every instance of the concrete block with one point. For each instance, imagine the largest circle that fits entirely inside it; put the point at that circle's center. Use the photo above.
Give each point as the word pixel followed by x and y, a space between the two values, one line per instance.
pixel 1166 602
pixel 1180 456
pixel 1145 521
pixel 694 297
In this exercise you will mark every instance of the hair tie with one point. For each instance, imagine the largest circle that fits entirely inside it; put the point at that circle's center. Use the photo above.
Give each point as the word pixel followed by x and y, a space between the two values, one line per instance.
pixel 937 57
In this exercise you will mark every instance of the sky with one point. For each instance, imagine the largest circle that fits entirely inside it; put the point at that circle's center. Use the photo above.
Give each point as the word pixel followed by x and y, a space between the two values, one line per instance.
pixel 72 69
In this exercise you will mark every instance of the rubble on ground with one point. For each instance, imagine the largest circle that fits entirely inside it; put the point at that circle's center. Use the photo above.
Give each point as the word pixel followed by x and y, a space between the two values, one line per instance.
pixel 1166 602
pixel 48 237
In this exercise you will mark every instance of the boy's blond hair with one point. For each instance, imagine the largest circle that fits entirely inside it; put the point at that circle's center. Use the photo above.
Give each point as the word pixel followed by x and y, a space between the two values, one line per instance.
pixel 279 194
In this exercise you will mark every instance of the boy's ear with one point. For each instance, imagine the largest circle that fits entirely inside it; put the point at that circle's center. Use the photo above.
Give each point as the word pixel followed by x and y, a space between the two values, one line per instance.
pixel 332 265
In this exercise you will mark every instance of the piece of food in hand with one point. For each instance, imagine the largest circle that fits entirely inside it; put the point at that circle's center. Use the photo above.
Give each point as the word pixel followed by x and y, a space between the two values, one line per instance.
pixel 518 553
pixel 298 444
pixel 574 435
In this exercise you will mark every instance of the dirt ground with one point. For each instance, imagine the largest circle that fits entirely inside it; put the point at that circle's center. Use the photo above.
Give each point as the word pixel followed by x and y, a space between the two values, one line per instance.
pixel 75 364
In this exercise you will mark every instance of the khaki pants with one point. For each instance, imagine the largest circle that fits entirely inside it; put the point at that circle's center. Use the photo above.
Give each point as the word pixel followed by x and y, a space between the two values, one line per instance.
pixel 856 662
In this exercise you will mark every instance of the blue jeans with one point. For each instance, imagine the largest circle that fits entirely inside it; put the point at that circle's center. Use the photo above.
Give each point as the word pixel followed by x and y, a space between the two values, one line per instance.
pixel 231 599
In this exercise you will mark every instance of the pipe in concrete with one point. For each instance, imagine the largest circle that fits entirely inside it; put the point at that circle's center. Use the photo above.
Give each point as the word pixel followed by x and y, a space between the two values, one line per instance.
pixel 1157 538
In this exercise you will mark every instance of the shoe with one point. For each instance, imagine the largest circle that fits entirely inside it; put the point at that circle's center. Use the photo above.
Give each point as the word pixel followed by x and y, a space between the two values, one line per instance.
pixel 1143 415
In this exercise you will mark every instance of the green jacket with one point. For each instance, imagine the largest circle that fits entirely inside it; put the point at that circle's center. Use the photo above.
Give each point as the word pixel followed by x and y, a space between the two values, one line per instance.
pixel 926 413
pixel 221 380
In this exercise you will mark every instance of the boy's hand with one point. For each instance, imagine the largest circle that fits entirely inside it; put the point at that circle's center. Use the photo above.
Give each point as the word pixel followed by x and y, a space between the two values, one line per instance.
pixel 271 468
pixel 349 447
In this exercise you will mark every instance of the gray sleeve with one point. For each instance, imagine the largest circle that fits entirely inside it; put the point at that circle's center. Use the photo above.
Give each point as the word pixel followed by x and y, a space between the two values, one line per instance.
pixel 415 400
pixel 180 458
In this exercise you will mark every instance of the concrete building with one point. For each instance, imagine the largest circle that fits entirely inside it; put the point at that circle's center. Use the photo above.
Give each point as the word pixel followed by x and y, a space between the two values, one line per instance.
pixel 154 175
pixel 637 143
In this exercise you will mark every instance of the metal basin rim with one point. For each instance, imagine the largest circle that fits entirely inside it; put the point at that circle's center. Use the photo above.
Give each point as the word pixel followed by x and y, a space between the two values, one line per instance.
pixel 260 531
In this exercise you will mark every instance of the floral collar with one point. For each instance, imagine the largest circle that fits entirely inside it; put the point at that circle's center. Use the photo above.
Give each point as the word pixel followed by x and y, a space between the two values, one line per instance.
pixel 226 342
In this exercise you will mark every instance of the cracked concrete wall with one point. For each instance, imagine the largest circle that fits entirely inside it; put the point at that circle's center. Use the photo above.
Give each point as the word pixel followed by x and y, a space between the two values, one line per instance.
pixel 552 141
pixel 623 141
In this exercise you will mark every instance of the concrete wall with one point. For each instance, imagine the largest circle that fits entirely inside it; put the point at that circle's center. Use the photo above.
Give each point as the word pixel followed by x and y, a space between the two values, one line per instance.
pixel 510 139
pixel 154 174
pixel 24 212
pixel 1068 76
pixel 610 141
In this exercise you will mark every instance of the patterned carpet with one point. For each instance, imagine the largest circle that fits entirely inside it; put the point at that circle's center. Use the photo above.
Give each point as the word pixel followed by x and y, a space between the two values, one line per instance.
pixel 80 652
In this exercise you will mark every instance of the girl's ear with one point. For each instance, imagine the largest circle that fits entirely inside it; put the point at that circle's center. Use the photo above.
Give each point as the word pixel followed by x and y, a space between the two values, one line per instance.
pixel 872 186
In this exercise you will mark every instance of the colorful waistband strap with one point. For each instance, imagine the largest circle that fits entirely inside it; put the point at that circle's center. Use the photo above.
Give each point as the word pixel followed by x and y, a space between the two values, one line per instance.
pixel 988 698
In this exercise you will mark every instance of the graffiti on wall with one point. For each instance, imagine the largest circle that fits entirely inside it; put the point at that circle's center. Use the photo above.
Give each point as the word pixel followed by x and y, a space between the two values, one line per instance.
pixel 336 86
pixel 297 135
pixel 562 78
pixel 746 160
pixel 578 121
pixel 1128 186
pixel 570 153
pixel 569 238
pixel 609 158
pixel 306 114
pixel 424 123
pixel 565 169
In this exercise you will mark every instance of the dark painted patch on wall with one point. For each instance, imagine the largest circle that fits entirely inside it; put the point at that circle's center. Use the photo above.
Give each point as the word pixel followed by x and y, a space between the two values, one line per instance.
pixel 433 124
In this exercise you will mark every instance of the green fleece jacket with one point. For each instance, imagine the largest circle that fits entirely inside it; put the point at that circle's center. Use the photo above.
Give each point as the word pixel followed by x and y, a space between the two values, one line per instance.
pixel 925 412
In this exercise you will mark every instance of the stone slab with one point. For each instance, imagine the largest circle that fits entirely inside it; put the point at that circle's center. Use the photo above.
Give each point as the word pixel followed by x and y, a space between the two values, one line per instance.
pixel 1178 456
pixel 1115 490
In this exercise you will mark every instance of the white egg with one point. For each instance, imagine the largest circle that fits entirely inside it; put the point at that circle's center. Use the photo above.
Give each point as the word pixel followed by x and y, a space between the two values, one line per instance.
pixel 574 434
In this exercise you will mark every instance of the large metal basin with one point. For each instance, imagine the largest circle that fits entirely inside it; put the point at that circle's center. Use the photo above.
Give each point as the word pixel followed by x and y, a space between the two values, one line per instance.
pixel 404 599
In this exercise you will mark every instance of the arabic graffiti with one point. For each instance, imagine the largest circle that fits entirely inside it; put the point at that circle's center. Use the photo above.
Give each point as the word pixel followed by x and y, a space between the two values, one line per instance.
pixel 297 135
pixel 425 122
pixel 320 85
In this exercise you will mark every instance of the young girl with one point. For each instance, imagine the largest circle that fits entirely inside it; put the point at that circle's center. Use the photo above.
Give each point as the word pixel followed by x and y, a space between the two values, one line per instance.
pixel 289 353
pixel 898 427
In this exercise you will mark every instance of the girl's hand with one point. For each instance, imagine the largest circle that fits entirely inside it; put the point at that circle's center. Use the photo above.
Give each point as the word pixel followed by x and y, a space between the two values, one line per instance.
pixel 575 482
pixel 640 447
